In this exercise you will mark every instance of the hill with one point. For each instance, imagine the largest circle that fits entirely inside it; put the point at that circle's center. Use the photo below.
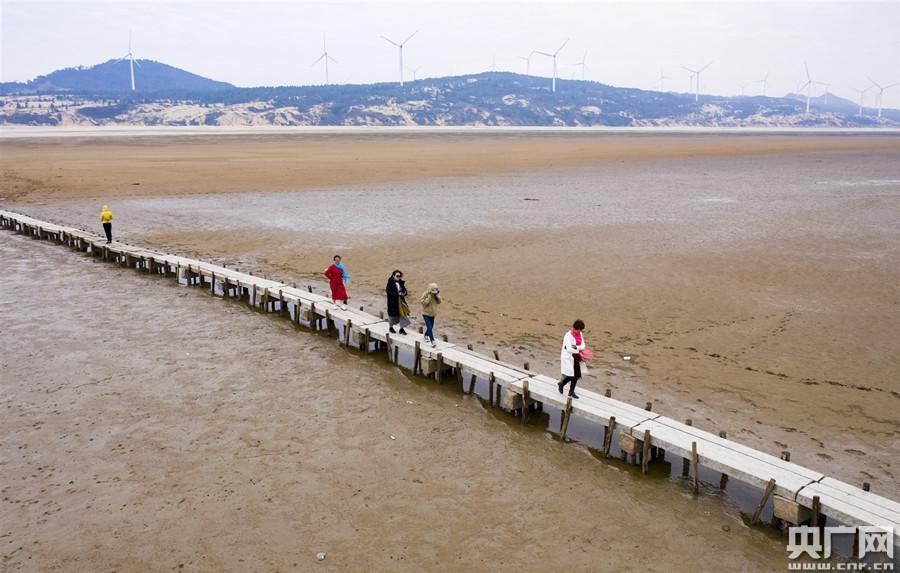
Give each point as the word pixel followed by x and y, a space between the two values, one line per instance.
pixel 114 76
pixel 165 95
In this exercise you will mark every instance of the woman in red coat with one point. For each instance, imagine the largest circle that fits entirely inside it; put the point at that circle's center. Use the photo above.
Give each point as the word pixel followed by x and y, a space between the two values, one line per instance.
pixel 337 275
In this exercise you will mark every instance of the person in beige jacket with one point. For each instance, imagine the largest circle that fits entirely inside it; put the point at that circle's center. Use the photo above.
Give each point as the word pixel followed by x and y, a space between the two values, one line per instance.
pixel 430 301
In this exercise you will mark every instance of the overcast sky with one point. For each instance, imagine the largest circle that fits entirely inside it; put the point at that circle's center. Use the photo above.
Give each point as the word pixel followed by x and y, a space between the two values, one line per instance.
pixel 627 43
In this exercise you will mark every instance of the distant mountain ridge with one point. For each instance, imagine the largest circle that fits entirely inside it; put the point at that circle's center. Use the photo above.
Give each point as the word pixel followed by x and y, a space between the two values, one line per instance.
pixel 165 95
pixel 115 76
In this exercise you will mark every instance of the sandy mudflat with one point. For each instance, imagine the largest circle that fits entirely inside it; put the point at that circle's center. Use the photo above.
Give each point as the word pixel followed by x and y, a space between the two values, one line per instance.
pixel 62 169
pixel 753 279
pixel 150 427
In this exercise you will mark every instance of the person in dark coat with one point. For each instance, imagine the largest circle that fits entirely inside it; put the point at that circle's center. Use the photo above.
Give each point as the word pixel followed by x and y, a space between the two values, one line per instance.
pixel 397 309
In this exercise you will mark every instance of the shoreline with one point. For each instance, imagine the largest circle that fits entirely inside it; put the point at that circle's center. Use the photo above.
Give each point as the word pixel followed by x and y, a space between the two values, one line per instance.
pixel 29 132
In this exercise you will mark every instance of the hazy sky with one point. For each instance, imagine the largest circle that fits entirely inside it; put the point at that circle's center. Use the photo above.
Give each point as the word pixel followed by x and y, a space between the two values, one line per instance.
pixel 627 43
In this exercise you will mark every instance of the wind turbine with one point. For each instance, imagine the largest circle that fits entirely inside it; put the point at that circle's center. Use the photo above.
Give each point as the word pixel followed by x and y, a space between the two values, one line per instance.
pixel 130 57
pixel 553 55
pixel 696 74
pixel 583 65
pixel 765 83
pixel 809 85
pixel 493 67
pixel 862 94
pixel 400 47
pixel 527 62
pixel 414 71
pixel 662 80
pixel 881 91
pixel 324 58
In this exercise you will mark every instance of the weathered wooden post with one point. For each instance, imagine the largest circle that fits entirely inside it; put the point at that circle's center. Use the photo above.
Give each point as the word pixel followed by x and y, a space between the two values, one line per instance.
pixel 770 487
pixel 525 397
pixel 472 379
pixel 366 340
pixel 567 413
pixel 491 389
pixel 347 328
pixel 723 481
pixel 313 317
pixel 816 511
pixel 607 442
pixel 496 355
pixel 608 393
pixel 440 368
pixel 695 468
pixel 645 455
pixel 387 342
pixel 686 463
pixel 417 356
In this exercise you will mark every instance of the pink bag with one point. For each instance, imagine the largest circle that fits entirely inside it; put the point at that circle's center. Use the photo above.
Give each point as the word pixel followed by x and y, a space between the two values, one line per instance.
pixel 586 355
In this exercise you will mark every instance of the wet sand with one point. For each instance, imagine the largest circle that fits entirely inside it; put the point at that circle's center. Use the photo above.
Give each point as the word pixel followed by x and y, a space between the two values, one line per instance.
pixel 150 427
pixel 753 279
pixel 40 170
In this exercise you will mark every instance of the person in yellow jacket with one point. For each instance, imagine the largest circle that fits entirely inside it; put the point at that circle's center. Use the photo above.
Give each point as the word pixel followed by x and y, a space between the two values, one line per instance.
pixel 106 219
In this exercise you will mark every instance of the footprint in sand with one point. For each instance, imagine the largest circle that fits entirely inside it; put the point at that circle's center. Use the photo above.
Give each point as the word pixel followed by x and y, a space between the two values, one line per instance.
pixel 855 452
pixel 825 456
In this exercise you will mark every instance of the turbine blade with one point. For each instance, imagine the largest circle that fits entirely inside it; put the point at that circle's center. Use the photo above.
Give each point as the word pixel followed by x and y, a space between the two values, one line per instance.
pixel 330 58
pixel 892 85
pixel 874 82
pixel 561 47
pixel 543 53
pixel 410 37
pixel 137 63
pixel 391 41
pixel 807 71
pixel 322 57
pixel 704 67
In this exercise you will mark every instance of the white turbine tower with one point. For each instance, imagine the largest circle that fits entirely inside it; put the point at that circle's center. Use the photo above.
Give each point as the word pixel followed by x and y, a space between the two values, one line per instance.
pixel 862 94
pixel 325 58
pixel 400 47
pixel 696 74
pixel 130 57
pixel 809 85
pixel 414 71
pixel 881 91
pixel 583 64
pixel 553 55
pixel 662 80
pixel 527 62
pixel 764 82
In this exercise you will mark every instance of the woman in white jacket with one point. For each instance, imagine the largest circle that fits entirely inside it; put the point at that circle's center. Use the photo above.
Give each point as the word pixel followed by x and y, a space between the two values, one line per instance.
pixel 570 358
